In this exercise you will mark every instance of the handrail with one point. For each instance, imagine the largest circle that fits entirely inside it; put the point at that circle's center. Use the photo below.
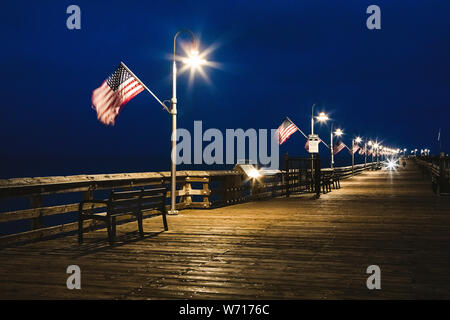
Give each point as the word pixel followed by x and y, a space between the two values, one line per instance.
pixel 438 167
pixel 40 198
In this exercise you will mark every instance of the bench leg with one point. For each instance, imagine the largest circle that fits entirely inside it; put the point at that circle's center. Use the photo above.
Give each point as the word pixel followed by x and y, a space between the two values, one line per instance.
pixel 113 227
pixel 140 225
pixel 164 219
pixel 80 229
pixel 110 233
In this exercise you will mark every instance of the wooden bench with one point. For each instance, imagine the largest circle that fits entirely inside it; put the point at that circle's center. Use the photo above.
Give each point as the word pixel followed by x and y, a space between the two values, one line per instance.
pixel 329 180
pixel 326 180
pixel 336 181
pixel 123 203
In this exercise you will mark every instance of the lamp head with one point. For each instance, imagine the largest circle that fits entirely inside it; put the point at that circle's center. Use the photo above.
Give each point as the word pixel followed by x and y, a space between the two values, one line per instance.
pixel 194 60
pixel 322 117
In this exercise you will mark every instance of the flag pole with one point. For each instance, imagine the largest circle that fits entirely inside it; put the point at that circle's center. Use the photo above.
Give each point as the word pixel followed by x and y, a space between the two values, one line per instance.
pixel 297 128
pixel 139 80
pixel 304 133
pixel 331 147
pixel 324 143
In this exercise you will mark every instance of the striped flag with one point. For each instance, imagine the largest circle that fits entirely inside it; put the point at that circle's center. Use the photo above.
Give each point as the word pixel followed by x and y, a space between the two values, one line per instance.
pixel 355 148
pixel 114 93
pixel 338 147
pixel 362 151
pixel 285 130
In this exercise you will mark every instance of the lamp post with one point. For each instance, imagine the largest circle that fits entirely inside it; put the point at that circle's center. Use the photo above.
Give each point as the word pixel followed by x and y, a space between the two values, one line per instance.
pixel 357 140
pixel 194 60
pixel 312 132
pixel 331 147
pixel 365 153
pixel 322 117
pixel 376 146
pixel 337 133
pixel 312 118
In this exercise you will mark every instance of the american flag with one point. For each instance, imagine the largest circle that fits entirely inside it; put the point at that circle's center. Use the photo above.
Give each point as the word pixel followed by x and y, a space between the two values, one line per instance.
pixel 355 148
pixel 362 151
pixel 285 130
pixel 338 147
pixel 114 93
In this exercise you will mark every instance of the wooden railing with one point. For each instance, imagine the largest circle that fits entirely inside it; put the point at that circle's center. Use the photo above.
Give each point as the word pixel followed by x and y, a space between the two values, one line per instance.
pixel 438 168
pixel 37 208
pixel 346 172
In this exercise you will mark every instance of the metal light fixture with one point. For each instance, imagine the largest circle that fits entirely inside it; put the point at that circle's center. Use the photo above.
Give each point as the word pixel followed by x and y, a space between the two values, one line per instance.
pixel 322 117
pixel 194 61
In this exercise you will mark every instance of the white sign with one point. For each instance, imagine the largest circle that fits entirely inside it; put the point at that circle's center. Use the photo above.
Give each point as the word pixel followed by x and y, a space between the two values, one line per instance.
pixel 313 143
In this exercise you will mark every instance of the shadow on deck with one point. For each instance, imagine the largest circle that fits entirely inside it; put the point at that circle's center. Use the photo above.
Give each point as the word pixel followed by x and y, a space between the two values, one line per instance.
pixel 284 248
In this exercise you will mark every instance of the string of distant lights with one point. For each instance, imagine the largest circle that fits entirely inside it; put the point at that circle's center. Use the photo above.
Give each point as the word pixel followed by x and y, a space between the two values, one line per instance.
pixel 322 117
pixel 371 147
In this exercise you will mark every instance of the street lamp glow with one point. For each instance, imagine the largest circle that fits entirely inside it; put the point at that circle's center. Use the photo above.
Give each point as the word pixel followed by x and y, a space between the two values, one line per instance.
pixel 358 139
pixel 370 143
pixel 338 132
pixel 391 164
pixel 194 60
pixel 322 117
pixel 254 174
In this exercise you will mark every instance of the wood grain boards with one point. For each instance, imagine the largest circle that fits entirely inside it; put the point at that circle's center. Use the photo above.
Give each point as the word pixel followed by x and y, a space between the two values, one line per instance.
pixel 294 248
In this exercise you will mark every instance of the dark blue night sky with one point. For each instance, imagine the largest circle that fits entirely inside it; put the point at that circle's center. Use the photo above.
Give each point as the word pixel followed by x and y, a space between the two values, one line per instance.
pixel 277 58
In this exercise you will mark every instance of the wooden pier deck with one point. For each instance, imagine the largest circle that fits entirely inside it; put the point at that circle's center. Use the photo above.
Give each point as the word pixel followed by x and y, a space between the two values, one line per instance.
pixel 294 248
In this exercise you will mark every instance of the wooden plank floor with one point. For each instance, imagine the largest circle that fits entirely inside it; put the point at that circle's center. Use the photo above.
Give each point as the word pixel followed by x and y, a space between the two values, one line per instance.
pixel 294 248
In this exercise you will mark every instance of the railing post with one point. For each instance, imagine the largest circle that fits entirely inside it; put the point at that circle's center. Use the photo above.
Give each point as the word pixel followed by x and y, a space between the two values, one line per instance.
pixel 36 202
pixel 286 168
pixel 186 200
pixel 206 192
pixel 88 195
pixel 442 179
pixel 253 189
pixel 228 191
pixel 317 177
pixel 238 190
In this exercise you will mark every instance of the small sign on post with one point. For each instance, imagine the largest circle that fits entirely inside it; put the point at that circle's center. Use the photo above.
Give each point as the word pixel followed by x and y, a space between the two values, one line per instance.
pixel 313 143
